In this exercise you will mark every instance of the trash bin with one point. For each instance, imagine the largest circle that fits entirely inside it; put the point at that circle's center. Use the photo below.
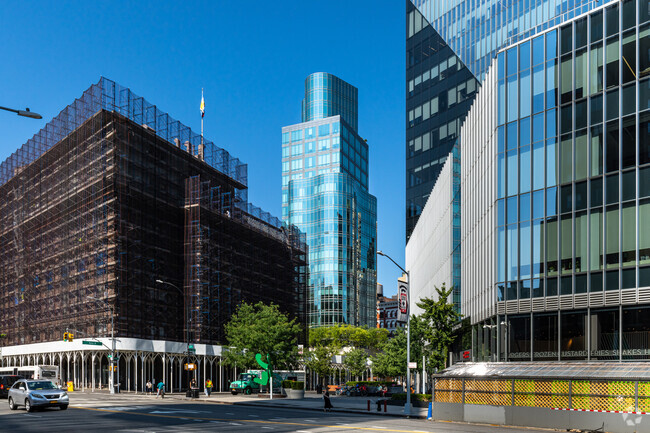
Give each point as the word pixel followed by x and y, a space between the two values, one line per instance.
pixel 70 386
pixel 319 388
pixel 192 393
pixel 379 403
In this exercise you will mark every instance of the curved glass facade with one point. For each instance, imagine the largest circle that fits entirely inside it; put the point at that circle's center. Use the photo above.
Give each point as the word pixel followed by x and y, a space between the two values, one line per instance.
pixel 327 95
pixel 325 193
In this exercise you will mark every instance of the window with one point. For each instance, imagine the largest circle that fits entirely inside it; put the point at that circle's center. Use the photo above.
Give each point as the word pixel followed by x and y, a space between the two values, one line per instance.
pixel 612 55
pixel 285 137
pixel 596 69
pixel 310 133
pixel 309 162
pixel 596 159
pixel 296 135
pixel 581 239
pixel 296 149
pixel 323 144
pixel 596 261
pixel 611 236
pixel 296 164
pixel 629 57
pixel 323 159
pixel 644 50
pixel 324 130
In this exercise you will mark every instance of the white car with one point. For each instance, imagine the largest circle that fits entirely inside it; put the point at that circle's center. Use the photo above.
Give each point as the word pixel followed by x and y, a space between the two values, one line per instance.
pixel 37 394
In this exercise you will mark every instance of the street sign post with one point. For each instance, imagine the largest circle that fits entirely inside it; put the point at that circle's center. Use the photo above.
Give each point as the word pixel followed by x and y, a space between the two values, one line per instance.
pixel 92 343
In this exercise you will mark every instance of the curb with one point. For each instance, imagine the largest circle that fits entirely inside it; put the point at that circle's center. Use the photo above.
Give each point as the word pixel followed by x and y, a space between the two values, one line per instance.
pixel 283 406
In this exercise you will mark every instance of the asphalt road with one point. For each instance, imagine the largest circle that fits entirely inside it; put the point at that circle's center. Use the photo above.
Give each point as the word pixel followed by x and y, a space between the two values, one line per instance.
pixel 121 413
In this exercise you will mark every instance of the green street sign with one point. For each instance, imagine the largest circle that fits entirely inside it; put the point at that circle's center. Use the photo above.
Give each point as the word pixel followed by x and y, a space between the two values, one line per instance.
pixel 92 343
pixel 191 349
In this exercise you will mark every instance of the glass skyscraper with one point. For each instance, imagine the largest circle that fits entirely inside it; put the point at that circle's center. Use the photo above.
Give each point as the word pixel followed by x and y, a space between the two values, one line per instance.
pixel 555 191
pixel 449 46
pixel 325 193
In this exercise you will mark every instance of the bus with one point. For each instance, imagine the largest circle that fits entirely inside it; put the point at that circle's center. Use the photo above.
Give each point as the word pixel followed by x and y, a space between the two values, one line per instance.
pixel 47 372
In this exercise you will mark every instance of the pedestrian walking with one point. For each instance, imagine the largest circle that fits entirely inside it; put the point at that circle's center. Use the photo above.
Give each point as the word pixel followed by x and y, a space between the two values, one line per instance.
pixel 161 389
pixel 328 404
pixel 149 387
pixel 208 387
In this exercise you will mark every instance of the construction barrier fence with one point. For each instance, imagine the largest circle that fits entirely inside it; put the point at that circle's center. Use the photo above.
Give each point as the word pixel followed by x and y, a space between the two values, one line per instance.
pixel 587 395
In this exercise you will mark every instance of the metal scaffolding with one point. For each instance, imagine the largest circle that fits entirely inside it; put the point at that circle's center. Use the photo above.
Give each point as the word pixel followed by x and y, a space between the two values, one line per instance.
pixel 94 209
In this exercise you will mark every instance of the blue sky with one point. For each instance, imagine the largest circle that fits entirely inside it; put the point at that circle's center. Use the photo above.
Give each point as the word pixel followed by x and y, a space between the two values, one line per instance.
pixel 250 57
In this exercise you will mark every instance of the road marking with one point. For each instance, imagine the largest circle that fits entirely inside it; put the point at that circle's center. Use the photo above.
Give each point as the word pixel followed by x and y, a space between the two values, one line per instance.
pixel 268 428
pixel 249 421
pixel 229 413
pixel 34 416
pixel 374 426
pixel 254 415
pixel 309 420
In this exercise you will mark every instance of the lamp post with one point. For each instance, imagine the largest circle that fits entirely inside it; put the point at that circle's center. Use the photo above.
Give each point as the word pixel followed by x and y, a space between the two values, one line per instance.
pixel 111 379
pixel 187 330
pixel 407 406
pixel 24 113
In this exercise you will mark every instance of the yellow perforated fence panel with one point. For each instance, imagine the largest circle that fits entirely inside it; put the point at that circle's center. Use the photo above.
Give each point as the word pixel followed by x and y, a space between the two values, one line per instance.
pixel 449 397
pixel 603 388
pixel 542 386
pixel 542 400
pixel 644 389
pixel 488 385
pixel 603 403
pixel 449 384
pixel 644 404
pixel 495 399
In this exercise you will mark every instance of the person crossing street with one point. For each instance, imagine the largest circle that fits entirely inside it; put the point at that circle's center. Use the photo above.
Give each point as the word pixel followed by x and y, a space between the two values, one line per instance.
pixel 208 387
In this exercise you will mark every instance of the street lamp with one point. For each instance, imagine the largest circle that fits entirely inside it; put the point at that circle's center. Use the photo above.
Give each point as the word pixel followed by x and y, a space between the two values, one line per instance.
pixel 187 329
pixel 112 367
pixel 407 406
pixel 24 113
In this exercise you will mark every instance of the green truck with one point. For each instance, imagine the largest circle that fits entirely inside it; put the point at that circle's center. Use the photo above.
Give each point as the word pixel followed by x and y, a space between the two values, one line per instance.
pixel 247 385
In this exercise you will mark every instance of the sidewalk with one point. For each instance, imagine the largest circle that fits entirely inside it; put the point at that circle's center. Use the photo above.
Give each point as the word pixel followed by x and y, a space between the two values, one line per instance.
pixel 312 401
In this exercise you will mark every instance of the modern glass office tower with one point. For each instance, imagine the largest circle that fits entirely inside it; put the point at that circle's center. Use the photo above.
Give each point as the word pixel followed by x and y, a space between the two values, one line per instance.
pixel 569 153
pixel 449 46
pixel 325 193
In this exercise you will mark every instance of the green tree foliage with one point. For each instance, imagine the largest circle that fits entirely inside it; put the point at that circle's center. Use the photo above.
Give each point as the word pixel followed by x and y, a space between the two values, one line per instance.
pixel 438 319
pixel 356 361
pixel 261 328
pixel 431 337
pixel 326 342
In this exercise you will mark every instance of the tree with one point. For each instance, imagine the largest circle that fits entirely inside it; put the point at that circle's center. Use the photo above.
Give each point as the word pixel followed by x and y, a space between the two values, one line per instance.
pixel 390 360
pixel 356 361
pixel 439 318
pixel 264 329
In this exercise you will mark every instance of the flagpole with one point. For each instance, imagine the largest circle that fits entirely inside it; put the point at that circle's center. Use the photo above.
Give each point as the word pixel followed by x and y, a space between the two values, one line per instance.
pixel 201 118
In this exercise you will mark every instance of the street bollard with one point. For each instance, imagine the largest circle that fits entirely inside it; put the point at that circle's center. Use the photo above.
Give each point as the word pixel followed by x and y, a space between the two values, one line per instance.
pixel 385 405
pixel 368 405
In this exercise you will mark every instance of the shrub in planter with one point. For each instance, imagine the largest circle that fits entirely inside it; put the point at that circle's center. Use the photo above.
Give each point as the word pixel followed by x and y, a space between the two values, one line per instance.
pixel 414 397
pixel 299 386
pixel 287 384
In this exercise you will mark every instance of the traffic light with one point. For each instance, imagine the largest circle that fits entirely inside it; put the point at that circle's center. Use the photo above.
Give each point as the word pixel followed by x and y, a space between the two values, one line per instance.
pixel 65 336
pixel 70 336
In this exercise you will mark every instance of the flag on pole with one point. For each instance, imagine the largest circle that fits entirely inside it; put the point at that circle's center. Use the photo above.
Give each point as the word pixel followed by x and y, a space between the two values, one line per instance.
pixel 202 105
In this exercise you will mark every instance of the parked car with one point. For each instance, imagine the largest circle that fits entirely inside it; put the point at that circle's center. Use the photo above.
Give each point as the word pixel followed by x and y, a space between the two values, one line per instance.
pixel 37 394
pixel 6 381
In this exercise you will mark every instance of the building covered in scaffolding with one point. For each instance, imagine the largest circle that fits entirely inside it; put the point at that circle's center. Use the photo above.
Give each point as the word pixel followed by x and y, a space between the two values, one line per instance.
pixel 115 212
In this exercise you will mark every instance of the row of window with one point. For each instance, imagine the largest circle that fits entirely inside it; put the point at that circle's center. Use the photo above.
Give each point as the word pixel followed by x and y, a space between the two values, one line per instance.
pixel 577 242
pixel 435 74
pixel 444 100
pixel 592 282
pixel 607 334
pixel 309 133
